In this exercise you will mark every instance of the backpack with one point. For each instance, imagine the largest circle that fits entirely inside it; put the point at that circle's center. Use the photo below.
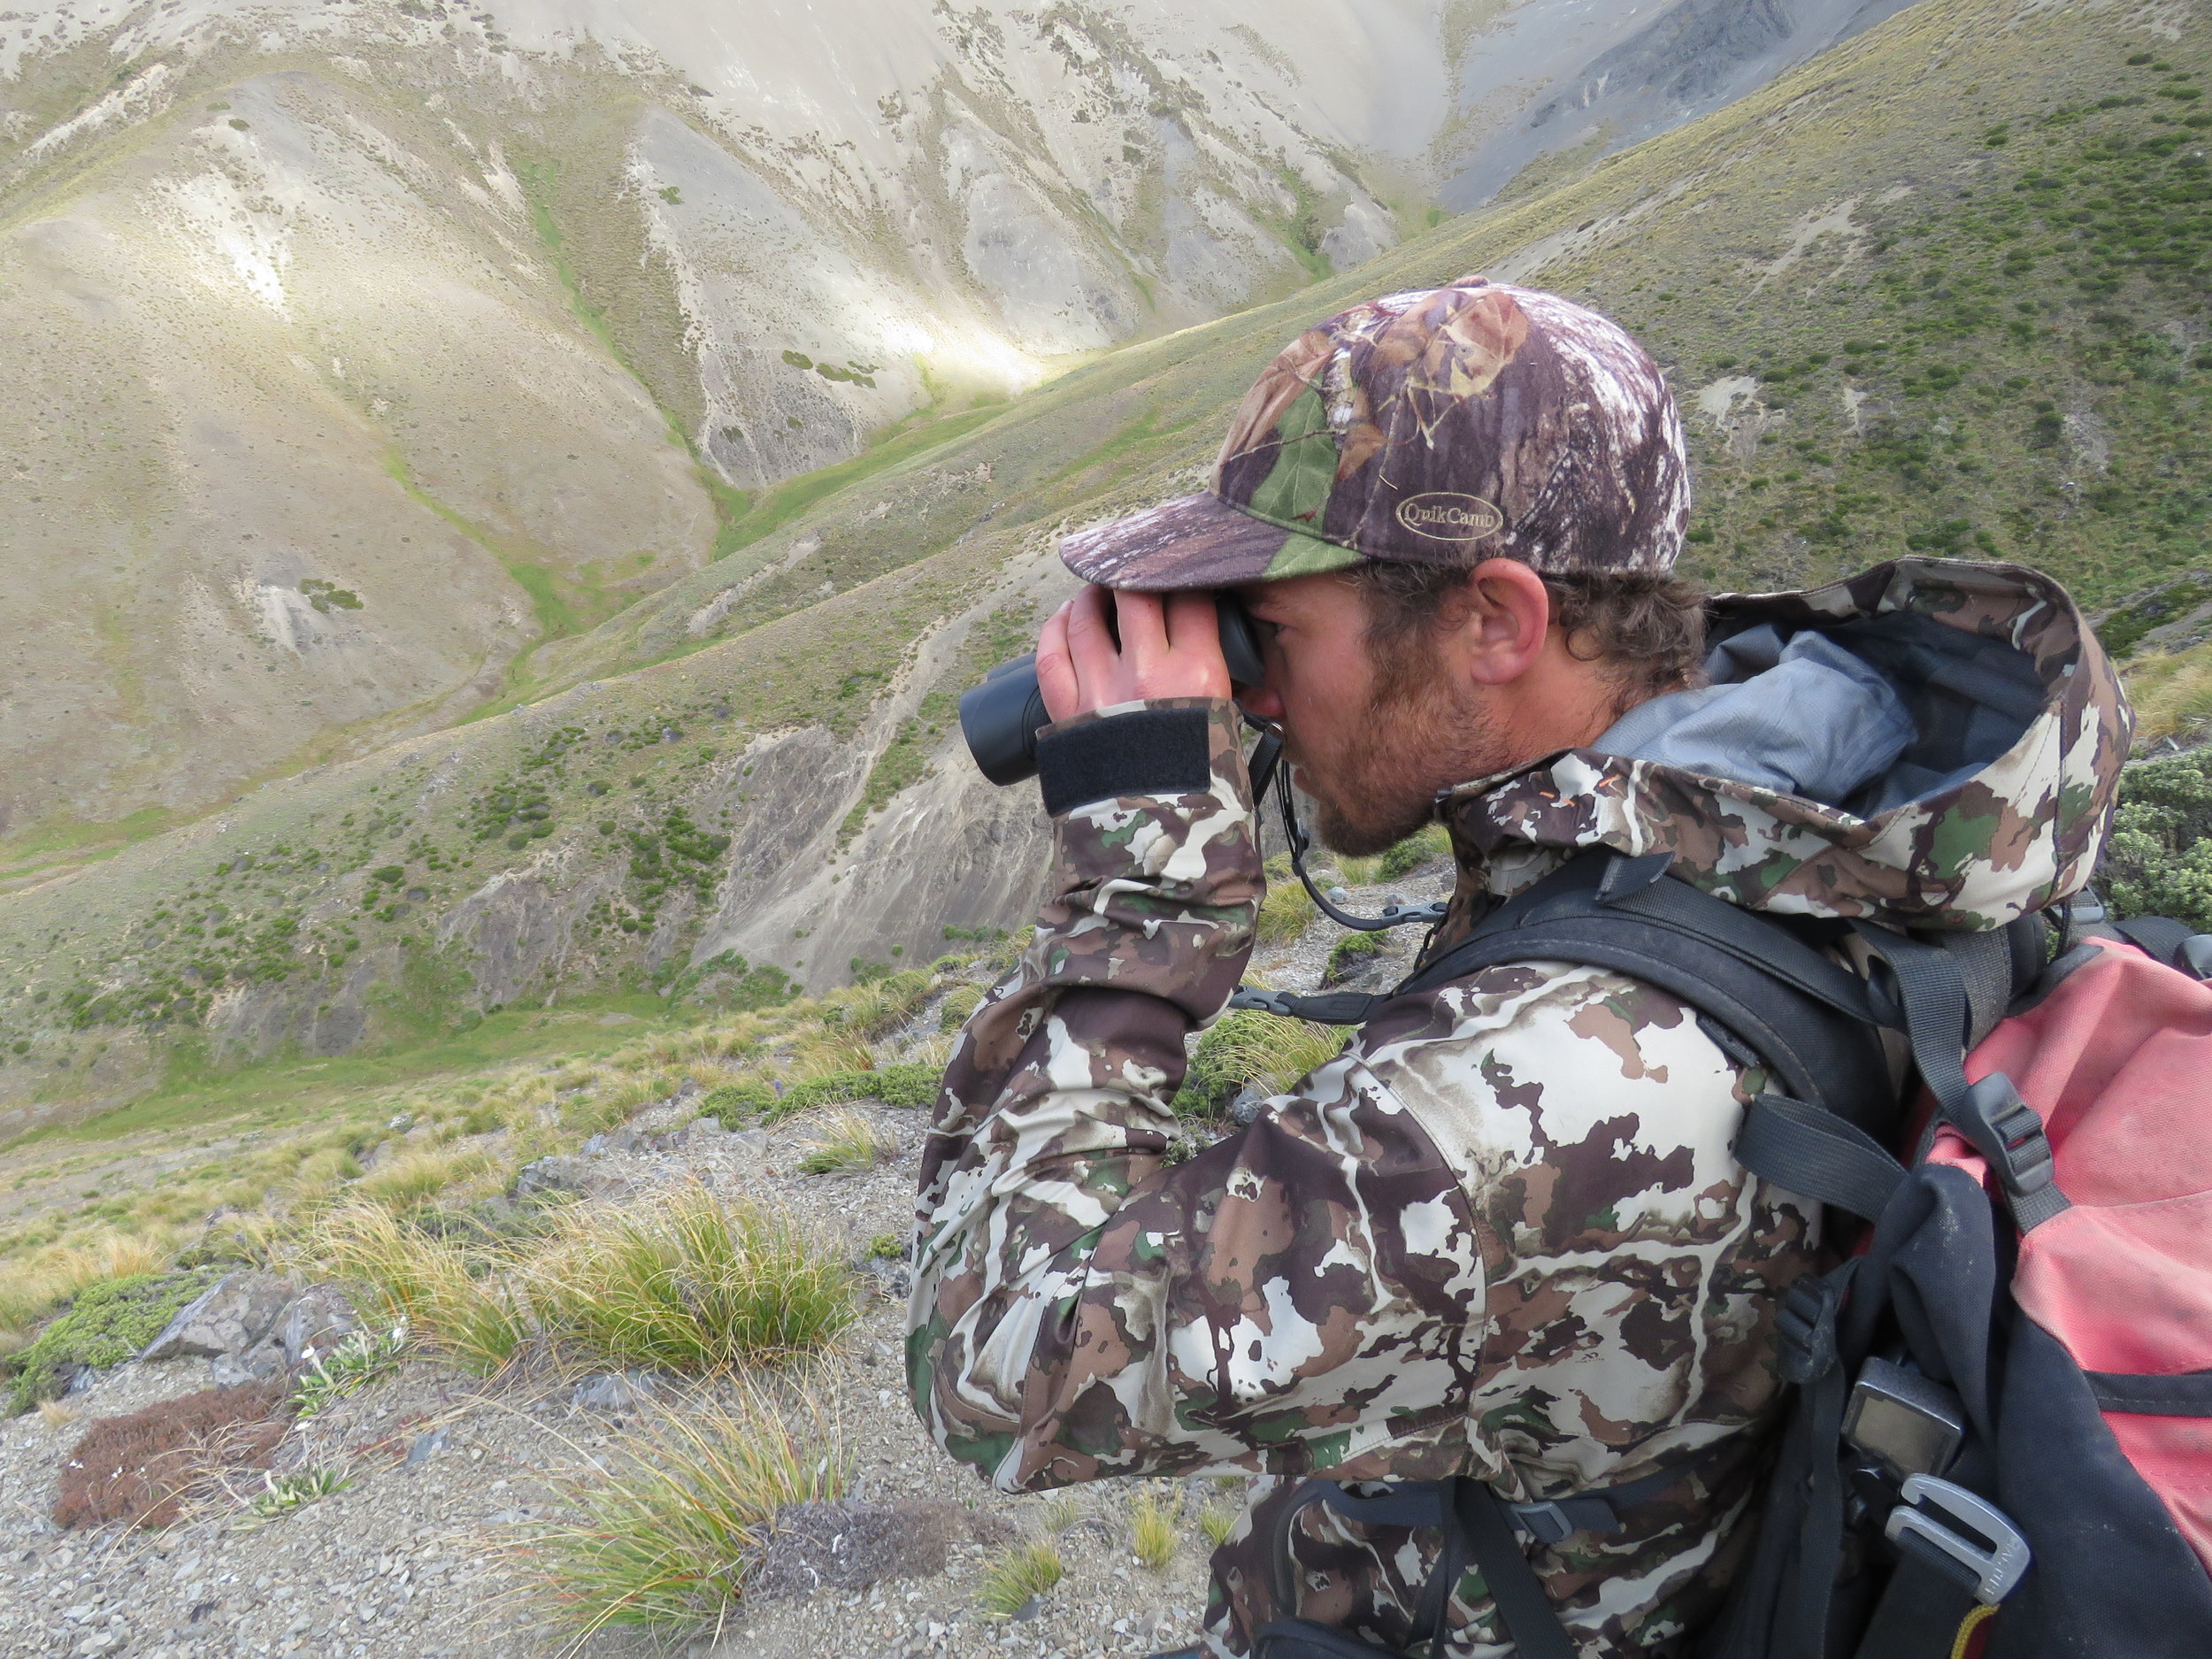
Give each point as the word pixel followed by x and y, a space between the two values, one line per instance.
pixel 1999 1441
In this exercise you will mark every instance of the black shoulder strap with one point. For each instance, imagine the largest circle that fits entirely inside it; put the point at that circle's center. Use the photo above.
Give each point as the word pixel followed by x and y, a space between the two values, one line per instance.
pixel 1805 1018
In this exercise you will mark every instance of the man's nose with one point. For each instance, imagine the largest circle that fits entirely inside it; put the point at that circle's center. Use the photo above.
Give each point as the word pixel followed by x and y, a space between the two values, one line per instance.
pixel 1261 701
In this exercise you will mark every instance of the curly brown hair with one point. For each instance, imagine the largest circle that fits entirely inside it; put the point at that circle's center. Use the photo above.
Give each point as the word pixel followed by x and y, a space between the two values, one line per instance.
pixel 1646 630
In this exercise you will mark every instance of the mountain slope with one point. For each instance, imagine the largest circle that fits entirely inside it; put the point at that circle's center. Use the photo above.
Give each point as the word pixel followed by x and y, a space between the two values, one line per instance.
pixel 1940 288
pixel 359 348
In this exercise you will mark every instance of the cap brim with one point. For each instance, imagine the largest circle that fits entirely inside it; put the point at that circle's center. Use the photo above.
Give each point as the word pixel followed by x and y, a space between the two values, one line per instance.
pixel 1196 541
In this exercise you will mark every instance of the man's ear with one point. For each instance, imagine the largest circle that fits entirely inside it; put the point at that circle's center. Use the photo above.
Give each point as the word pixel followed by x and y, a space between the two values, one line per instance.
pixel 1507 621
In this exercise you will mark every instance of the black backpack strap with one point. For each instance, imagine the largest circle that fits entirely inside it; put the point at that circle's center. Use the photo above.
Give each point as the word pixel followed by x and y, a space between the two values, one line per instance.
pixel 1808 1019
pixel 2003 1128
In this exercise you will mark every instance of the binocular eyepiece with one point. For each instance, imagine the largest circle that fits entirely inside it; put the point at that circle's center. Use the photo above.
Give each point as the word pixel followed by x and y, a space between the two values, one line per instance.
pixel 1002 717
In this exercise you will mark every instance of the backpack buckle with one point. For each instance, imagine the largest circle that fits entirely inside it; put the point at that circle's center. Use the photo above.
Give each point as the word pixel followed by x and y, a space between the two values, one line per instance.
pixel 2008 1132
pixel 1970 1530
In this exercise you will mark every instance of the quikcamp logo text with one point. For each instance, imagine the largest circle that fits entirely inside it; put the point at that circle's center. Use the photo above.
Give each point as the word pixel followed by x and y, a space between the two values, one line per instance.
pixel 1446 516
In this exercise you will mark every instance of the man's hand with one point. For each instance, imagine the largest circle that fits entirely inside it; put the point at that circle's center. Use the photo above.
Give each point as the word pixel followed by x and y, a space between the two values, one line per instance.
pixel 1170 646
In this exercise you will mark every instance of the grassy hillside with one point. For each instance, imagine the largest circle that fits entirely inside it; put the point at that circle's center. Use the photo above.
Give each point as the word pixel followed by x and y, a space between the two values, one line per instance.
pixel 1941 290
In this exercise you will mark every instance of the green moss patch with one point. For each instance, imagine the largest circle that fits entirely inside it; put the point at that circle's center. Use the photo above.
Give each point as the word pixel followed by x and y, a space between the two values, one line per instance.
pixel 105 1324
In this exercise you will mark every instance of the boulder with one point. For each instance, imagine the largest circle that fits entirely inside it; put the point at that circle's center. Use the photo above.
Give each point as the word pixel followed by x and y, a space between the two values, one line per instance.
pixel 320 1318
pixel 255 1365
pixel 229 1317
pixel 552 1175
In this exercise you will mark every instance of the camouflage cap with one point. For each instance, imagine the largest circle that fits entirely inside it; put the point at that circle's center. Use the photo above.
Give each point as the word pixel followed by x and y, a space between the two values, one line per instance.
pixel 1444 426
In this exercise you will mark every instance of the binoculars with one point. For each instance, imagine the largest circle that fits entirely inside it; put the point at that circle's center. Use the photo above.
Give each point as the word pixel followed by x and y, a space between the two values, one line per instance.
pixel 1000 717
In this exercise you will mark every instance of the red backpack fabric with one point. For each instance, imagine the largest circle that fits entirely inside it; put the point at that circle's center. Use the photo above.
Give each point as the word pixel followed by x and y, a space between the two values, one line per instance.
pixel 2117 1061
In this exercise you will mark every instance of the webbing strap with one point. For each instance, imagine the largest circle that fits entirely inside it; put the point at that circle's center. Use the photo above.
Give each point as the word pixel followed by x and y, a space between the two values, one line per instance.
pixel 1529 1619
pixel 2003 1128
pixel 1812 1151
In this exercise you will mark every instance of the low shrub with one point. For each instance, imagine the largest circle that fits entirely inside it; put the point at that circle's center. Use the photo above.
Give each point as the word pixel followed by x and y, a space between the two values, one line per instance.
pixel 2159 860
pixel 1351 955
pixel 893 1084
pixel 737 1102
pixel 141 1468
pixel 673 1520
pixel 106 1324
pixel 1427 843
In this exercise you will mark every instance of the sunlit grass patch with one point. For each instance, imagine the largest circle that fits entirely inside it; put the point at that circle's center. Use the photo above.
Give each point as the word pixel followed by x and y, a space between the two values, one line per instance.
pixel 1016 1576
pixel 1285 912
pixel 667 1528
pixel 688 1284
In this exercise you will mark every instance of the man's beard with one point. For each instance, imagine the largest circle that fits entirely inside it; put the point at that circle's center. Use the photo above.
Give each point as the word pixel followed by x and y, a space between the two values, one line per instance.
pixel 1414 740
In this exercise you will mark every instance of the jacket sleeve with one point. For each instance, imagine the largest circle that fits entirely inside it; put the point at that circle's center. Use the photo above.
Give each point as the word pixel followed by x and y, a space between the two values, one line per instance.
pixel 1286 1301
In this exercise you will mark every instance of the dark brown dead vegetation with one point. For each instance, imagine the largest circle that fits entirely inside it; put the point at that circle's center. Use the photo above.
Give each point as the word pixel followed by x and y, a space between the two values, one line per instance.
pixel 140 1468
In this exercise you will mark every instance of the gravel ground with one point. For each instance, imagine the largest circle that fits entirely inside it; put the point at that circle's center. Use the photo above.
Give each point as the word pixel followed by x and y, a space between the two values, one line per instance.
pixel 413 1557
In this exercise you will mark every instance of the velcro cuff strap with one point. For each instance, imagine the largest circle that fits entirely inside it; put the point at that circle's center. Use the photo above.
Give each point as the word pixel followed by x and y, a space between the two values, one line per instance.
pixel 1147 751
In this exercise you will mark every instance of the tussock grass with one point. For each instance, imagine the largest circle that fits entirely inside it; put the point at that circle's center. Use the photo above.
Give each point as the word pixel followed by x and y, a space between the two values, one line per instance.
pixel 667 1528
pixel 1216 1521
pixel 1152 1531
pixel 689 1285
pixel 55 1414
pixel 849 1143
pixel 2171 692
pixel 414 1176
pixel 830 1053
pixel 959 1003
pixel 479 1319
pixel 1249 1046
pixel 1016 1575
pixel 1285 912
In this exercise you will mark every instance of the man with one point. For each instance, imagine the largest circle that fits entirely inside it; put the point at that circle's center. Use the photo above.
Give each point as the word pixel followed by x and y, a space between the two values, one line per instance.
pixel 1503 1235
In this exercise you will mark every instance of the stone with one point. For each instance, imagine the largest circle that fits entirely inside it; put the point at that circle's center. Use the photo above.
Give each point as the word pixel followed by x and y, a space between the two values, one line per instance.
pixel 754 1141
pixel 255 1366
pixel 849 1544
pixel 1245 1109
pixel 321 1317
pixel 229 1317
pixel 613 1391
pixel 554 1174
pixel 426 1445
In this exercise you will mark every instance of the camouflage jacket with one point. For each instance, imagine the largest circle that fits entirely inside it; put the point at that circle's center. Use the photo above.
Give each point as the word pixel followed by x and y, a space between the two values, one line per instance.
pixel 1503 1232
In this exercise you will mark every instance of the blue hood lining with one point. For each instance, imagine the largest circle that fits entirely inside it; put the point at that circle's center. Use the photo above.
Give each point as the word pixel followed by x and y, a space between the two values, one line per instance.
pixel 1864 716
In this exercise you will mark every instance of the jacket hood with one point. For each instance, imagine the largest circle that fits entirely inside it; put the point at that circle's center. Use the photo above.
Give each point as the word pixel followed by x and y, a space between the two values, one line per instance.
pixel 1933 743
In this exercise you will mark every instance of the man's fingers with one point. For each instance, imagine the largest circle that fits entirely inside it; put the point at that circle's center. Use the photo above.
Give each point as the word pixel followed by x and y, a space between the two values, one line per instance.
pixel 1143 622
pixel 1193 624
pixel 1056 668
